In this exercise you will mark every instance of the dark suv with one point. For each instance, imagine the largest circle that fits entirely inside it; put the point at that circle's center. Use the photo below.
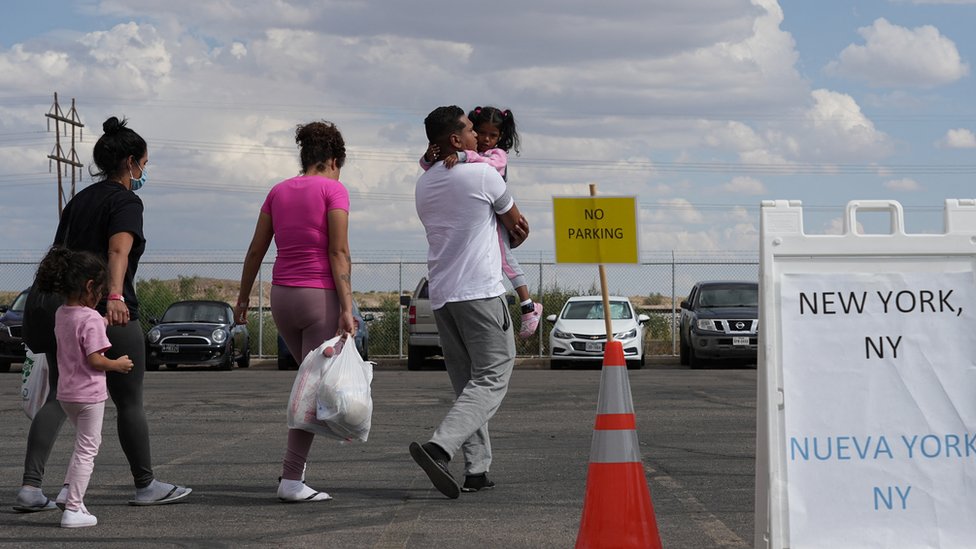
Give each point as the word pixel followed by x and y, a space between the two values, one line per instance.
pixel 720 320
pixel 11 322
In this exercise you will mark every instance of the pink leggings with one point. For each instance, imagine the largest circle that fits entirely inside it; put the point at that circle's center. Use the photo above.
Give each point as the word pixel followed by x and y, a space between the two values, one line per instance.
pixel 305 317
pixel 87 419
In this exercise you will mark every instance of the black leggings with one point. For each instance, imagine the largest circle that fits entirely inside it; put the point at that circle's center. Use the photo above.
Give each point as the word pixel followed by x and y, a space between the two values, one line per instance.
pixel 126 393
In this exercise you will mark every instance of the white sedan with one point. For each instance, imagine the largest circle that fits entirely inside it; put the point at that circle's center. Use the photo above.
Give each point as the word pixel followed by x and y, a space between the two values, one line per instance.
pixel 580 332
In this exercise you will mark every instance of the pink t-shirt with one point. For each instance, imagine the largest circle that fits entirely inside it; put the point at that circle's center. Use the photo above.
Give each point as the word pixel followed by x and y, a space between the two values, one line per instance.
pixel 299 210
pixel 80 331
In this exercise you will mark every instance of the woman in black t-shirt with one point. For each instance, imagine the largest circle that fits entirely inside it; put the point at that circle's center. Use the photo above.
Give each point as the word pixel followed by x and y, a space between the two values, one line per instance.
pixel 105 218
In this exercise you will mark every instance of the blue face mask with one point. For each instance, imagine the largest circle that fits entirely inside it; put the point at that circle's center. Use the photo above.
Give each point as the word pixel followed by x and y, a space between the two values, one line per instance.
pixel 136 184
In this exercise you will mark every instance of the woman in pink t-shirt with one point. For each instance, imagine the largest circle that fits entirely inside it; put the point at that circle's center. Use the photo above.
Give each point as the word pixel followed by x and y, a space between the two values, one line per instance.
pixel 82 278
pixel 311 293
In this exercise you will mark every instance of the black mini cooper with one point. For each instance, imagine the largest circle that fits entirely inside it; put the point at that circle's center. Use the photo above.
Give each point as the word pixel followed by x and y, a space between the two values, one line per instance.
pixel 201 333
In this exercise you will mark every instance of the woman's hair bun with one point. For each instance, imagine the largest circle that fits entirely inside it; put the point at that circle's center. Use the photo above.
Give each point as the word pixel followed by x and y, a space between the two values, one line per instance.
pixel 113 125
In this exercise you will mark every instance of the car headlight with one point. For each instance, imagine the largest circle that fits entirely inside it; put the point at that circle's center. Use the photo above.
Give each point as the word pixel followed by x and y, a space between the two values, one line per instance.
pixel 559 334
pixel 154 335
pixel 706 324
pixel 626 335
pixel 219 335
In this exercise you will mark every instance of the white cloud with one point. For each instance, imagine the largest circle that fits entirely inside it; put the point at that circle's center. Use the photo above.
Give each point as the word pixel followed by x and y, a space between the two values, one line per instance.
pixel 904 184
pixel 26 69
pixel 744 185
pixel 675 210
pixel 959 138
pixel 128 60
pixel 741 236
pixel 835 226
pixel 238 50
pixel 837 129
pixel 831 129
pixel 894 56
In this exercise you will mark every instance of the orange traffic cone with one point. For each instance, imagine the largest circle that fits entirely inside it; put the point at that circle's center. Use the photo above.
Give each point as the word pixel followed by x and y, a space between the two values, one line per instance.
pixel 617 510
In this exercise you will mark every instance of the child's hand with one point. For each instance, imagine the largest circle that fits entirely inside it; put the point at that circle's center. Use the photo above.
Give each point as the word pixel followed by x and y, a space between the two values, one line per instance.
pixel 519 232
pixel 433 151
pixel 122 364
pixel 451 160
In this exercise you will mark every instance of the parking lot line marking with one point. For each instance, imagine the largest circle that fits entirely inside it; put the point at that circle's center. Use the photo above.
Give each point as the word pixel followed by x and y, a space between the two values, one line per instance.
pixel 709 523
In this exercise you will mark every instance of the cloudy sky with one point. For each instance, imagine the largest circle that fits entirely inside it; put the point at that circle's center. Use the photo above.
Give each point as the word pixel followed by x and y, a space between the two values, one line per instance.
pixel 701 109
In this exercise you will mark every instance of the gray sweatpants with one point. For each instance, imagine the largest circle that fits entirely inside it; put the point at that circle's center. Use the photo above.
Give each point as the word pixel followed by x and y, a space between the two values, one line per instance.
pixel 479 352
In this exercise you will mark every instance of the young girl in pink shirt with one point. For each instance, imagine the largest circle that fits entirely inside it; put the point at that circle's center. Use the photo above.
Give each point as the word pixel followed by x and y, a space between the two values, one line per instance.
pixel 496 136
pixel 82 278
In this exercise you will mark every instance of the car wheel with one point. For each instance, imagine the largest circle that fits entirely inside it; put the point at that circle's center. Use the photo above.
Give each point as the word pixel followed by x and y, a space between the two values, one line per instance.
pixel 245 360
pixel 693 360
pixel 172 366
pixel 152 366
pixel 635 364
pixel 286 362
pixel 228 362
pixel 415 357
pixel 683 352
pixel 4 366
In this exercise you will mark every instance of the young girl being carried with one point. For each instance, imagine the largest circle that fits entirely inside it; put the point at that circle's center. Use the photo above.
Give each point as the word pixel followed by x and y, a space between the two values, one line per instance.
pixel 82 278
pixel 496 136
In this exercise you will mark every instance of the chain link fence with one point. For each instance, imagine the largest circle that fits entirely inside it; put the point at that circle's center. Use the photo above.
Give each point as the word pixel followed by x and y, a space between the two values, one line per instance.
pixel 656 287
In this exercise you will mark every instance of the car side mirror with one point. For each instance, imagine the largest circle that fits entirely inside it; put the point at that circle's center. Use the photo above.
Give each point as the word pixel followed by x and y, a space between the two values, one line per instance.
pixel 405 300
pixel 4 308
pixel 551 318
pixel 684 304
pixel 153 320
pixel 642 318
pixel 368 317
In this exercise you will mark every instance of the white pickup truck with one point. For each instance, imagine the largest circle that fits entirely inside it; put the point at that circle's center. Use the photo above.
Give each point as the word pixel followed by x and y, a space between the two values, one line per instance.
pixel 422 340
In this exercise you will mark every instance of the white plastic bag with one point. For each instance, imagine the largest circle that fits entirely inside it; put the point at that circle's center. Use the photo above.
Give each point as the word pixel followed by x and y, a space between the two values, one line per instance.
pixel 331 395
pixel 34 385
pixel 344 399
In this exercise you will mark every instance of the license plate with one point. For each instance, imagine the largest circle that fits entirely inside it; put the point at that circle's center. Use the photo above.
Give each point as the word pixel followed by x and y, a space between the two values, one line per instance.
pixel 594 346
pixel 170 348
pixel 737 341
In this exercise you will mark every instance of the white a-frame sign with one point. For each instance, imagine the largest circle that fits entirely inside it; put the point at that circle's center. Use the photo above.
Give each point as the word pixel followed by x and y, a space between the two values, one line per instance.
pixel 867 382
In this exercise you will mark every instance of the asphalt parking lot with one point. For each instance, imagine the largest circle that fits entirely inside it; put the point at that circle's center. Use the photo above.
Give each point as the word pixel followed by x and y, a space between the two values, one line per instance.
pixel 222 433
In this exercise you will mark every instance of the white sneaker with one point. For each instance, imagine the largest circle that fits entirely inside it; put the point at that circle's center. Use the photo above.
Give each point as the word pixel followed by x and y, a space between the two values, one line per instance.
pixel 62 498
pixel 78 519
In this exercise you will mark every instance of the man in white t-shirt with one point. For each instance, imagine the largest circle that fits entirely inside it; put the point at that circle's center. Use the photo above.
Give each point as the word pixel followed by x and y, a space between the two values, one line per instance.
pixel 459 208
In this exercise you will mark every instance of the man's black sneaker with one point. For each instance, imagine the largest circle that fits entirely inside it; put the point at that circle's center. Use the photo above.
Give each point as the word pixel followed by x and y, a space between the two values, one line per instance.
pixel 473 483
pixel 436 469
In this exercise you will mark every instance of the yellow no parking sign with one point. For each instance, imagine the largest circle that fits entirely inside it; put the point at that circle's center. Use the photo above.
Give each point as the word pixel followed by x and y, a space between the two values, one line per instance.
pixel 595 229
